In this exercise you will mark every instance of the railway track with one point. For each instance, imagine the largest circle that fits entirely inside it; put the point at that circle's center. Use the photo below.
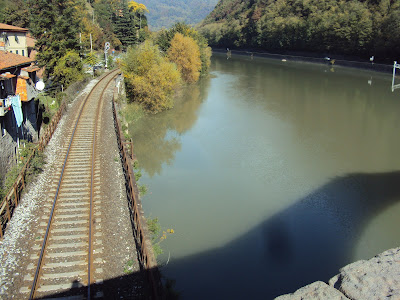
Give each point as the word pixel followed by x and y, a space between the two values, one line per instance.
pixel 69 241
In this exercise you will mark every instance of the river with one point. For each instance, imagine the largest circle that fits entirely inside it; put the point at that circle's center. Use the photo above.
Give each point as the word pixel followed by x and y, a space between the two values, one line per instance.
pixel 273 175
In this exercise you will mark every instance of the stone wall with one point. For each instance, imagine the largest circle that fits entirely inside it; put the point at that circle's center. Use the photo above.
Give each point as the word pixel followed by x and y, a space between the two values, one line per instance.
pixel 7 154
pixel 377 278
pixel 9 142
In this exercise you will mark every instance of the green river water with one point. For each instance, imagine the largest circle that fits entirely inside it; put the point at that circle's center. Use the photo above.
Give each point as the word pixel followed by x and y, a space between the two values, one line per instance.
pixel 273 175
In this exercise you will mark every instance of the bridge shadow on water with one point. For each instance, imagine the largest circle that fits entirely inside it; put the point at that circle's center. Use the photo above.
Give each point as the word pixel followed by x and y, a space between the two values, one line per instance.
pixel 309 241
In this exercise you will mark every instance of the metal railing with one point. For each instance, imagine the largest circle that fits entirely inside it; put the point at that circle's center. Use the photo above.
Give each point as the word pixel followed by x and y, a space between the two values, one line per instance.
pixel 146 257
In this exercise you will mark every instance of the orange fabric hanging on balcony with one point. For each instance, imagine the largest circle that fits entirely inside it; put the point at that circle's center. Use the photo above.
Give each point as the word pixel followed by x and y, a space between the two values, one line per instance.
pixel 21 88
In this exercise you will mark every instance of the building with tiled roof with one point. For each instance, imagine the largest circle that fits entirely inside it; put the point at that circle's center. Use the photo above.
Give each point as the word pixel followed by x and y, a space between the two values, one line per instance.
pixel 10 60
pixel 18 110
pixel 14 39
pixel 10 28
pixel 17 77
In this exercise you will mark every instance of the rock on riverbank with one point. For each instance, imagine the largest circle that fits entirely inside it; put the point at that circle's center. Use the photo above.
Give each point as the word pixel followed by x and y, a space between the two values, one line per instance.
pixel 377 278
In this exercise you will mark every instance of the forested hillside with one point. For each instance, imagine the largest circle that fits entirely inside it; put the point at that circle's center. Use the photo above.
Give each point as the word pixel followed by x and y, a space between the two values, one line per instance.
pixel 352 27
pixel 67 31
pixel 165 13
pixel 120 22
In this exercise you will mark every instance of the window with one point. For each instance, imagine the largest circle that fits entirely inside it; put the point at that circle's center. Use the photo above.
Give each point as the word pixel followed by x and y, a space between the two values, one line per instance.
pixel 23 52
pixel 16 51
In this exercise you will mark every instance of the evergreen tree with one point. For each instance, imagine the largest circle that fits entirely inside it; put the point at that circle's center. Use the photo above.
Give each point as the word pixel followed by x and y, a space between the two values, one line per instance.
pixel 56 26
pixel 14 13
pixel 125 26
pixel 104 12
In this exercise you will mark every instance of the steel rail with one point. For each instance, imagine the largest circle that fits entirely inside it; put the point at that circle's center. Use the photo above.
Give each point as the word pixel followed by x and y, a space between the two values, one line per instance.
pixel 91 194
pixel 38 268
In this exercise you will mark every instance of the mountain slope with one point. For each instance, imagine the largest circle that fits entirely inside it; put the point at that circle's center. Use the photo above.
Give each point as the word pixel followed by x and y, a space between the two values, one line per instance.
pixel 165 13
pixel 356 27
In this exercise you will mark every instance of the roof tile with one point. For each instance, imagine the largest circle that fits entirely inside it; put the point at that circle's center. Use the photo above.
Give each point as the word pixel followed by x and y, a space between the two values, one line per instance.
pixel 9 60
pixel 7 27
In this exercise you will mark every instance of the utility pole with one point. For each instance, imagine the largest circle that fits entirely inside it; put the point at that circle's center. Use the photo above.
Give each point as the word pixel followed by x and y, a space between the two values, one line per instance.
pixel 91 46
pixel 106 48
pixel 80 45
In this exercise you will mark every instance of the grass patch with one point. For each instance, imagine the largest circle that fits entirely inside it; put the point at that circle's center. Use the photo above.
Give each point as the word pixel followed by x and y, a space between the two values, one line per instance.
pixel 133 112
pixel 157 235
pixel 142 189
pixel 138 174
pixel 129 268
pixel 35 167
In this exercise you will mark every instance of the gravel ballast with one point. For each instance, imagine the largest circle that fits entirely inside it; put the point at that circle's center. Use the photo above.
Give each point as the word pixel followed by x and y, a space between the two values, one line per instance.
pixel 118 273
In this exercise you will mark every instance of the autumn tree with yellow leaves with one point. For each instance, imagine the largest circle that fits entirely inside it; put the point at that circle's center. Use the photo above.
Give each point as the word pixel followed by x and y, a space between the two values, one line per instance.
pixel 150 78
pixel 164 37
pixel 138 8
pixel 185 53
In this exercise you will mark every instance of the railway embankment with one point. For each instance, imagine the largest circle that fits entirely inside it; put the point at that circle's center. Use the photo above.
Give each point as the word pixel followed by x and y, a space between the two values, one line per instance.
pixel 117 268
pixel 376 278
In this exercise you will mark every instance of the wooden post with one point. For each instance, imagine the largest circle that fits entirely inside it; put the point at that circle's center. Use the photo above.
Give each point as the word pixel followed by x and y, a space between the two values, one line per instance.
pixel 8 209
pixel 131 149
pixel 16 194
pixel 23 180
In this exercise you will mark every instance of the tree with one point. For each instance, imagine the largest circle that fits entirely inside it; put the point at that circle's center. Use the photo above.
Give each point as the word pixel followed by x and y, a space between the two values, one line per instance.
pixel 56 26
pixel 150 78
pixel 165 37
pixel 125 26
pixel 104 12
pixel 91 59
pixel 14 13
pixel 185 53
pixel 68 69
pixel 138 8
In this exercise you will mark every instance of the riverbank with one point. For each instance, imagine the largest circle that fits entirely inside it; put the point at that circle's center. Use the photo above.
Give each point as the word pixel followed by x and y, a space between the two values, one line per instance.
pixel 377 278
pixel 316 59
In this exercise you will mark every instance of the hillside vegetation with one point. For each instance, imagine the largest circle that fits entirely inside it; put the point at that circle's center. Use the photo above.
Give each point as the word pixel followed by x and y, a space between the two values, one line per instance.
pixel 165 13
pixel 154 66
pixel 352 27
pixel 63 31
pixel 155 69
pixel 122 23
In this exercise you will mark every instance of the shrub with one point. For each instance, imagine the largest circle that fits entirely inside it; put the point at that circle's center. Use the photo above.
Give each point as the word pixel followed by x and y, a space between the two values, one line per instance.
pixel 150 78
pixel 164 38
pixel 68 69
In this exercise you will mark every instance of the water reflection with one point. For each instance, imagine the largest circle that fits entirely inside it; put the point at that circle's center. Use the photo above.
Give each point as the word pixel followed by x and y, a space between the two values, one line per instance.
pixel 156 137
pixel 323 107
pixel 277 179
